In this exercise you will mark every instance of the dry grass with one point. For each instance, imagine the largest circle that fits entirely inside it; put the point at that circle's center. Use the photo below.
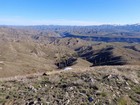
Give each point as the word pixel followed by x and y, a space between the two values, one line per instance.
pixel 103 85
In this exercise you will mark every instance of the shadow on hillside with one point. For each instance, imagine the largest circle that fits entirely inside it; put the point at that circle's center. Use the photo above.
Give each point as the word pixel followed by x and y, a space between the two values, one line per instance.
pixel 132 48
pixel 102 57
pixel 66 62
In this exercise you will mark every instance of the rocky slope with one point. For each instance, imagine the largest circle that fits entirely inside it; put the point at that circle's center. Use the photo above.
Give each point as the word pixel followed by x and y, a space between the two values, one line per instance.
pixel 116 85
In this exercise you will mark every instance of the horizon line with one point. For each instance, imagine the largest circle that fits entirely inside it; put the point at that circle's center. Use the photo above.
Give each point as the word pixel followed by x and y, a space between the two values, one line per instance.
pixel 68 24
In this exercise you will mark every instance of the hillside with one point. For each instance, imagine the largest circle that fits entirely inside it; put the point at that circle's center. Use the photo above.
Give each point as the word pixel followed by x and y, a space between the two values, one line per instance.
pixel 111 54
pixel 26 56
pixel 25 51
pixel 116 85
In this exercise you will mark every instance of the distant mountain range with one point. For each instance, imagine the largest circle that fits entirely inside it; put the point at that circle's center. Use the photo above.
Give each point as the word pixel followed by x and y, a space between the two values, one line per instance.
pixel 105 33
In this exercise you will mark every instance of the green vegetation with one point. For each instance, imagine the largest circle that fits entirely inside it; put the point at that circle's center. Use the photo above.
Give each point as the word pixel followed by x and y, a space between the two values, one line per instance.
pixel 137 89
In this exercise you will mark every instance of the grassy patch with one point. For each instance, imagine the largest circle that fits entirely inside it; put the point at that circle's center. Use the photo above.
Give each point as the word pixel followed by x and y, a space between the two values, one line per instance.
pixel 122 101
pixel 136 89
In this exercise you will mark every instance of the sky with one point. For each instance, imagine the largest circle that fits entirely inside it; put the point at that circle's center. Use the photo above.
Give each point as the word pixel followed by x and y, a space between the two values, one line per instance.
pixel 69 12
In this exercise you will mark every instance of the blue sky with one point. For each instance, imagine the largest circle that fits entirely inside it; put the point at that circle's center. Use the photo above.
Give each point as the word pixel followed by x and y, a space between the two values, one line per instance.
pixel 69 12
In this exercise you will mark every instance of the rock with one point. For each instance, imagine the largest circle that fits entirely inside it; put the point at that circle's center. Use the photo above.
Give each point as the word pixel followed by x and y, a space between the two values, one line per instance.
pixel 135 81
pixel 40 86
pixel 109 76
pixel 128 88
pixel 66 95
pixel 35 102
pixel 111 88
pixel 98 93
pixel 71 88
pixel 114 95
pixel 68 101
pixel 46 85
pixel 47 103
pixel 82 94
pixel 32 88
pixel 127 83
pixel 92 80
